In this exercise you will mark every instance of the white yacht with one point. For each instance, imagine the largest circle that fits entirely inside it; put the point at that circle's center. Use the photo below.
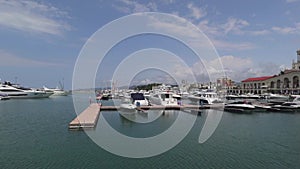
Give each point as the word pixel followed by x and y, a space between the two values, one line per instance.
pixel 56 91
pixel 275 98
pixel 163 98
pixel 127 107
pixel 240 107
pixel 205 97
pixel 18 92
pixel 289 106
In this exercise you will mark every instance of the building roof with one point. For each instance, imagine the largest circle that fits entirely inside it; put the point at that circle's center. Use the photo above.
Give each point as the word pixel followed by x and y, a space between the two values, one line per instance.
pixel 253 79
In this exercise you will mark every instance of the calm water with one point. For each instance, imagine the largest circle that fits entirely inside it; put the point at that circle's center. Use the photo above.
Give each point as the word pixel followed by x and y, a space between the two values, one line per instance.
pixel 34 134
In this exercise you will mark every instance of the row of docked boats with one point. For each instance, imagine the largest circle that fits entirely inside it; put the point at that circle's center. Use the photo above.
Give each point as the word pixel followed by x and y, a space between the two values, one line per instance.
pixel 262 105
pixel 272 103
pixel 9 90
pixel 246 103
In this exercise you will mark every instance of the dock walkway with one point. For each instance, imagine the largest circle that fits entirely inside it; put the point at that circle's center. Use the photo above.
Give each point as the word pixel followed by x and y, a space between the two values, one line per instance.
pixel 87 119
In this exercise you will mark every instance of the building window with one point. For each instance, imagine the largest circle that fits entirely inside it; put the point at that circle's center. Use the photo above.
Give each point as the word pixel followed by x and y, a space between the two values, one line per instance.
pixel 272 84
pixel 286 83
pixel 295 81
pixel 278 84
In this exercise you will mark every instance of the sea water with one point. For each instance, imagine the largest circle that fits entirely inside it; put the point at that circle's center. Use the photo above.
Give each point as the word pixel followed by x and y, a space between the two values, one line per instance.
pixel 34 134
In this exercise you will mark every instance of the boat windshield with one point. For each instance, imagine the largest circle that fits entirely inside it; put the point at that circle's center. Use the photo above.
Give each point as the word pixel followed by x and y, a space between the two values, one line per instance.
pixel 137 96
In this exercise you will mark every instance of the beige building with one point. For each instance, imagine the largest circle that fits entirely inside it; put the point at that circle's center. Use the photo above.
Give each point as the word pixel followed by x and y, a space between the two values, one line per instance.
pixel 286 82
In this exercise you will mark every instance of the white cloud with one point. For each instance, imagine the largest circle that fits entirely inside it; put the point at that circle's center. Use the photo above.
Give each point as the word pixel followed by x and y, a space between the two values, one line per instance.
pixel 234 25
pixel 229 46
pixel 181 28
pixel 31 16
pixel 208 28
pixel 196 13
pixel 239 68
pixel 214 34
pixel 259 32
pixel 236 68
pixel 291 1
pixel 287 30
pixel 131 6
pixel 8 59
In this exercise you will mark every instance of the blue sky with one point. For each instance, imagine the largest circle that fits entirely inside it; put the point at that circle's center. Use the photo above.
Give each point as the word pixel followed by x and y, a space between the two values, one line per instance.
pixel 41 40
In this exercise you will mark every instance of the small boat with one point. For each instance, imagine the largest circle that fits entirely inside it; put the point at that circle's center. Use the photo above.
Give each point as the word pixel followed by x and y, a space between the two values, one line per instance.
pixel 248 96
pixel 240 107
pixel 275 98
pixel 56 91
pixel 205 97
pixel 105 96
pixel 177 96
pixel 163 98
pixel 287 107
pixel 128 107
pixel 260 107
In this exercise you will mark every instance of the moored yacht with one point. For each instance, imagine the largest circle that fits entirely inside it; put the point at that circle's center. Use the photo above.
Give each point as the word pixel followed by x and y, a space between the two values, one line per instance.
pixel 289 106
pixel 240 107
pixel 205 97
pixel 275 98
pixel 56 91
pixel 127 107
pixel 18 92
pixel 163 98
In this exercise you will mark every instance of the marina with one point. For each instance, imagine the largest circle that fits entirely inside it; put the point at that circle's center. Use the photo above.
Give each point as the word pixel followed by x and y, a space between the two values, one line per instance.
pixel 240 141
pixel 249 124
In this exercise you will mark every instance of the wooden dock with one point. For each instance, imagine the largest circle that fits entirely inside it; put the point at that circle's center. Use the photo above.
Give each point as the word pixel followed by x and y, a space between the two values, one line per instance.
pixel 87 119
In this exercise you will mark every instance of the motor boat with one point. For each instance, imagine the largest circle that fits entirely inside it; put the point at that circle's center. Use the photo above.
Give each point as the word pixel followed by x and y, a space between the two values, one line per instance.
pixel 56 91
pixel 128 107
pixel 17 92
pixel 289 106
pixel 205 97
pixel 239 107
pixel 177 96
pixel 275 98
pixel 163 98
pixel 248 96
pixel 260 107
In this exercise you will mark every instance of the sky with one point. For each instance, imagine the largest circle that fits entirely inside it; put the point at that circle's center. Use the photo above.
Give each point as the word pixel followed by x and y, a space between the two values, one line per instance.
pixel 41 40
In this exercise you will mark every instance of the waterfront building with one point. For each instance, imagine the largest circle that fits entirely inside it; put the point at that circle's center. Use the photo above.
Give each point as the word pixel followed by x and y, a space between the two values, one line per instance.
pixel 286 82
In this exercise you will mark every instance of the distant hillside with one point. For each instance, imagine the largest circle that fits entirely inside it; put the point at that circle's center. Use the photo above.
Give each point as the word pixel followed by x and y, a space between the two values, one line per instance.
pixel 145 87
